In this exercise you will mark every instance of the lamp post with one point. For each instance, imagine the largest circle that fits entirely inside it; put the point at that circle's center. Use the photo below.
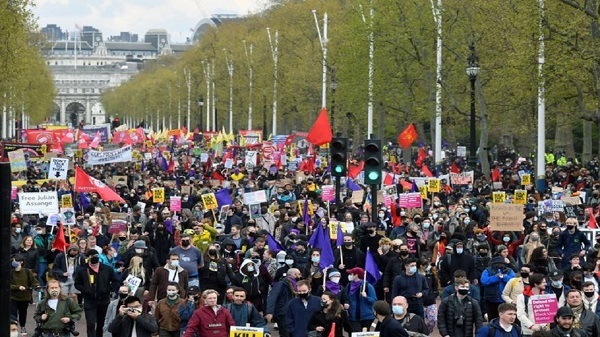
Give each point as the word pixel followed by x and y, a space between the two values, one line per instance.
pixel 201 105
pixel 333 86
pixel 472 70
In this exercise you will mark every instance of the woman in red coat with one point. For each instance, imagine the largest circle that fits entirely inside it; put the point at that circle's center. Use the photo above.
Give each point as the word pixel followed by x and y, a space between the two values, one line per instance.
pixel 211 319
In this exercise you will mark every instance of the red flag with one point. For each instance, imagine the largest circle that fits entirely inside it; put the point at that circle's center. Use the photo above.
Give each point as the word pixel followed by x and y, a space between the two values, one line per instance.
pixel 592 223
pixel 217 176
pixel 96 141
pixel 320 133
pixel 354 170
pixel 171 165
pixel 332 331
pixel 426 171
pixel 396 220
pixel 289 139
pixel 406 185
pixel 389 179
pixel 408 136
pixel 421 157
pixel 85 183
pixel 454 168
pixel 59 242
pixel 496 174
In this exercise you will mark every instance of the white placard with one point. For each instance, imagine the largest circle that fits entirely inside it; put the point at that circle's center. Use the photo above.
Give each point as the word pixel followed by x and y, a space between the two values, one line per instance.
pixel 133 283
pixel 228 163
pixel 204 157
pixel 251 158
pixel 251 198
pixel 58 168
pixel 38 203
pixel 123 154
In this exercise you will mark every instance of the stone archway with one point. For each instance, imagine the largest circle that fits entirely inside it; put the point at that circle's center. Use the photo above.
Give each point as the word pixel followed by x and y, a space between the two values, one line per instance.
pixel 55 114
pixel 75 114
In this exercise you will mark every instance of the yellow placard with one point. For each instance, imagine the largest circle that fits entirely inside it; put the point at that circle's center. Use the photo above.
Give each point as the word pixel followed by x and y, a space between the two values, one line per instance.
pixel 78 153
pixel 333 226
pixel 498 197
pixel 209 201
pixel 311 210
pixel 520 197
pixel 158 194
pixel 66 201
pixel 526 179
pixel 245 331
pixel 423 191
pixel 433 185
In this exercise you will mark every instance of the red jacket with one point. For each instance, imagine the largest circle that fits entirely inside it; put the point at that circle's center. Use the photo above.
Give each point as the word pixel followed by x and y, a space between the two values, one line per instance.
pixel 204 322
pixel 512 246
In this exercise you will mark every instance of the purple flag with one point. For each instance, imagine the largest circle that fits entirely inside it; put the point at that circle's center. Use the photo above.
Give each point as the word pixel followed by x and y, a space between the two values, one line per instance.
pixel 352 185
pixel 315 238
pixel 223 197
pixel 327 258
pixel 162 162
pixel 305 215
pixel 373 274
pixel 340 236
pixel 84 201
pixel 274 244
pixel 414 187
pixel 169 225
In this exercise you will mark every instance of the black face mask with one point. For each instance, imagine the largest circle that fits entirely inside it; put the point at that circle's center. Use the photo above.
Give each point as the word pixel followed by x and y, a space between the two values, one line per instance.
pixel 94 259
pixel 123 296
pixel 212 252
pixel 404 253
pixel 463 291
pixel 524 275
pixel 185 243
pixel 122 238
pixel 483 254
pixel 570 227
pixel 590 294
pixel 348 244
pixel 305 295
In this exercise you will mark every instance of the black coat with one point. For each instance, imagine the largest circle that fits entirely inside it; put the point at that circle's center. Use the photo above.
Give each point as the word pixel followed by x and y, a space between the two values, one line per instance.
pixel 104 284
pixel 454 262
pixel 145 325
pixel 341 323
pixel 390 327
pixel 450 311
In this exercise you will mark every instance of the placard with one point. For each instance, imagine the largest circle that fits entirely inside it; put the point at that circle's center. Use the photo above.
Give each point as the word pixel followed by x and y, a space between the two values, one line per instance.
pixel 209 201
pixel 570 212
pixel 38 203
pixel 526 179
pixel 256 197
pixel 251 159
pixel 366 334
pixel 358 196
pixel 58 168
pixel 498 197
pixel 544 308
pixel 245 331
pixel 122 180
pixel 133 283
pixel 228 163
pixel 506 217
pixel 461 151
pixel 328 193
pixel 68 216
pixel 464 178
pixel 175 204
pixel 158 194
pixel 66 201
pixel 423 191
pixel 410 200
pixel 17 161
pixel 433 185
pixel 520 197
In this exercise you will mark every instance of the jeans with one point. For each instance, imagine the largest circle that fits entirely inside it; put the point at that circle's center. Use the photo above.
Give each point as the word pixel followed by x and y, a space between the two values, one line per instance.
pixel 95 313
pixel 281 325
pixel 41 272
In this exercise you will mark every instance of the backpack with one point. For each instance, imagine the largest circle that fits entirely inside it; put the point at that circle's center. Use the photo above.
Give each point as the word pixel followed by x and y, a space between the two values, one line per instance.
pixel 516 327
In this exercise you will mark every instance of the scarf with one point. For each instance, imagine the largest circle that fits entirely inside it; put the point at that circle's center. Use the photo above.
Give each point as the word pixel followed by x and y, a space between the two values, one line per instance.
pixel 576 316
pixel 333 287
pixel 354 286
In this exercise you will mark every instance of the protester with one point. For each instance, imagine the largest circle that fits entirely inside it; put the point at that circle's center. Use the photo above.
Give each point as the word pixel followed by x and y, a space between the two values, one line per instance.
pixel 22 283
pixel 409 321
pixel 301 309
pixel 55 313
pixel 388 326
pixel 331 320
pixel 210 319
pixel 131 321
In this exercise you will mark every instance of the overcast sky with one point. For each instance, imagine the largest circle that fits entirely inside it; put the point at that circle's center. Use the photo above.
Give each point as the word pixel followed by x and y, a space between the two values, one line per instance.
pixel 137 16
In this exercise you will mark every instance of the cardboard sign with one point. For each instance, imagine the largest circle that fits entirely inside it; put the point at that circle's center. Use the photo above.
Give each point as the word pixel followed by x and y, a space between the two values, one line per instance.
pixel 433 185
pixel 209 201
pixel 256 197
pixel 544 308
pixel 245 331
pixel 506 217
pixel 520 197
pixel 358 196
pixel 38 203
pixel 68 216
pixel 158 194
pixel 526 179
pixel 17 161
pixel 117 226
pixel 58 168
pixel 175 204
pixel 572 200
pixel 328 193
pixel 66 201
pixel 498 197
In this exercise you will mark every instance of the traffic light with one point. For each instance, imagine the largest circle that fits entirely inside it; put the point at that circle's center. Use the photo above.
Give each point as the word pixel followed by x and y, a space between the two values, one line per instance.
pixel 338 149
pixel 373 162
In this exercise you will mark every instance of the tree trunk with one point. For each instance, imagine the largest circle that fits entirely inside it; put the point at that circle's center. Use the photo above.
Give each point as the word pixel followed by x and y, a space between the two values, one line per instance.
pixel 586 153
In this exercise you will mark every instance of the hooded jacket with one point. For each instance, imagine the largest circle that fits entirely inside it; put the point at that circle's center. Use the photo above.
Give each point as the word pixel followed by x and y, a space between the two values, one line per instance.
pixel 499 330
pixel 205 322
pixel 160 281
pixel 492 282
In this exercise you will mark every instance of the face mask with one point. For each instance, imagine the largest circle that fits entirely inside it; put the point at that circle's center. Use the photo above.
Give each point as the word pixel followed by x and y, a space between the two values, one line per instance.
pixel 15 264
pixel 175 263
pixel 323 304
pixel 38 232
pixel 385 248
pixel 480 237
pixel 473 208
pixel 412 269
pixel 557 284
pixel 250 268
pixel 404 253
pixel 437 204
pixel 14 334
pixel 348 244
pixel 555 233
pixel 315 259
pixel 483 254
pixel 185 243
pixel 289 262
pixel 463 291
pixel 459 250
pixel 506 239
pixel 570 227
pixel 435 216
pixel 589 294
pixel 123 296
pixel 534 239
pixel 398 310
pixel 172 293
pixel 335 279
pixel 139 251
pixel 212 252
pixel 524 275
pixel 426 225
pixel 54 293
pixel 17 230
pixel 122 239
pixel 467 221
pixel 305 295
pixel 350 278
pixel 94 259
pixel 381 215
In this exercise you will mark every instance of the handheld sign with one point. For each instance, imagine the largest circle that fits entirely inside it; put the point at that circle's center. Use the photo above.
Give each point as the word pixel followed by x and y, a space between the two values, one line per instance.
pixel 498 197
pixel 245 331
pixel 506 217
pixel 58 168
pixel 210 201
pixel 544 308
pixel 158 194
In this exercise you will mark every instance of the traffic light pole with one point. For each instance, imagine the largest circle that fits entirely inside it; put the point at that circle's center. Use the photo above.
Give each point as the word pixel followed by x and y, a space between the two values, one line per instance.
pixel 373 203
pixel 338 188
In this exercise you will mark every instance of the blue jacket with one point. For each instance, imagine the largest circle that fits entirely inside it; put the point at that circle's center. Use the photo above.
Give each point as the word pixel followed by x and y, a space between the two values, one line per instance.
pixel 279 297
pixel 500 332
pixel 569 244
pixel 473 292
pixel 408 286
pixel 298 315
pixel 494 285
pixel 364 304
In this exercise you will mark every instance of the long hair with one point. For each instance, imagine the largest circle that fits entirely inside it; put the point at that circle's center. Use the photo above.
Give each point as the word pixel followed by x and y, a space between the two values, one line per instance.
pixel 336 307
pixel 32 242
pixel 136 268
pixel 206 257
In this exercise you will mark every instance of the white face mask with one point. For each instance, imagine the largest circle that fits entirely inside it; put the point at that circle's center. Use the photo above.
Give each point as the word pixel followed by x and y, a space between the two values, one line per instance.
pixel 289 262
pixel 14 334
pixel 171 293
pixel 335 279
pixel 139 251
pixel 18 230
pixel 350 278
pixel 250 268
pixel 175 263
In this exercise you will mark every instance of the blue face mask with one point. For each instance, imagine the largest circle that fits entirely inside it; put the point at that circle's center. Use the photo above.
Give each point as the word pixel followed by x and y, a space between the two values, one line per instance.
pixel 398 310
pixel 412 269
pixel 315 259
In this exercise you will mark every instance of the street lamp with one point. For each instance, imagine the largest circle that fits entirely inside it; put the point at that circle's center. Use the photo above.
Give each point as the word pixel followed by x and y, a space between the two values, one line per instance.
pixel 333 86
pixel 472 70
pixel 201 105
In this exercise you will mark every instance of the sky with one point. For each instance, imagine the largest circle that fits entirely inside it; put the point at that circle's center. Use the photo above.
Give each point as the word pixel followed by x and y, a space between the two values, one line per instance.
pixel 178 17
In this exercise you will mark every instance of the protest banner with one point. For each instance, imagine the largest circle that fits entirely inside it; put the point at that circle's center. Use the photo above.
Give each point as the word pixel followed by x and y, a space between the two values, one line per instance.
pixel 209 201
pixel 58 169
pixel 526 179
pixel 498 197
pixel 410 200
pixel 35 149
pixel 123 154
pixel 433 185
pixel 158 194
pixel 256 197
pixel 245 331
pixel 38 202
pixel 17 161
pixel 423 191
pixel 463 178
pixel 328 193
pixel 175 204
pixel 544 308
pixel 358 196
pixel 506 217
pixel 66 201
pixel 520 197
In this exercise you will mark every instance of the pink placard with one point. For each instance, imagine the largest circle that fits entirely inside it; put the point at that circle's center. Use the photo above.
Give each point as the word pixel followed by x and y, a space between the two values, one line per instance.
pixel 117 226
pixel 175 204
pixel 410 200
pixel 544 308
pixel 328 193
pixel 14 193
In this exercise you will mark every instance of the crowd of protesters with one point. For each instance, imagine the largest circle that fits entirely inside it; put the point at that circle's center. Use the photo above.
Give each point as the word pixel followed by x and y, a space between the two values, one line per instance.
pixel 199 272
